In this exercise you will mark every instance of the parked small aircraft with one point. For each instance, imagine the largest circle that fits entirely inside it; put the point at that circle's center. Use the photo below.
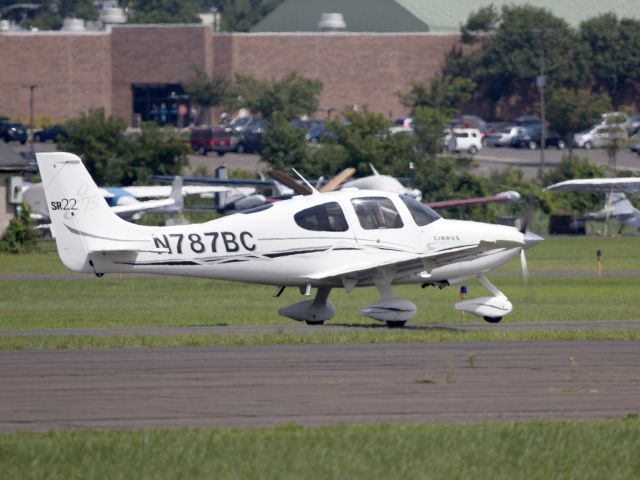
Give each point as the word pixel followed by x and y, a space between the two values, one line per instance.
pixel 617 206
pixel 125 201
pixel 343 239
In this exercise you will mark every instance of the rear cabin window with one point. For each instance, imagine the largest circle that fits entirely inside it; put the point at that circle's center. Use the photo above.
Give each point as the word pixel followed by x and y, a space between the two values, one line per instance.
pixel 376 213
pixel 421 214
pixel 327 217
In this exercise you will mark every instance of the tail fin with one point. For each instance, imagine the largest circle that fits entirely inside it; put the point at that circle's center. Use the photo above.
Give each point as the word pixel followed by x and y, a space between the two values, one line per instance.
pixel 619 204
pixel 79 214
pixel 176 194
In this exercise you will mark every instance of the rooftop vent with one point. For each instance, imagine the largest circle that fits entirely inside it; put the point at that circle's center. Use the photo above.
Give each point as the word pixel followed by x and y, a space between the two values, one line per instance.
pixel 73 25
pixel 331 22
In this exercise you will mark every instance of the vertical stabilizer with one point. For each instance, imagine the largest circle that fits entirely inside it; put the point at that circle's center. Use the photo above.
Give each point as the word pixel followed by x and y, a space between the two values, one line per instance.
pixel 79 214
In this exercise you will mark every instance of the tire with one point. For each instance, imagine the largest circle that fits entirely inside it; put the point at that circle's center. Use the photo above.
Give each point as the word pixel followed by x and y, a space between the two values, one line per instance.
pixel 588 145
pixel 201 150
pixel 492 319
pixel 314 323
pixel 395 323
pixel 240 148
pixel 221 153
pixel 22 142
pixel 36 138
pixel 473 150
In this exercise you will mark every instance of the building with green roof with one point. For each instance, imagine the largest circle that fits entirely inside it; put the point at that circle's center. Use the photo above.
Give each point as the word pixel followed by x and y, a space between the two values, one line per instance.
pixel 442 16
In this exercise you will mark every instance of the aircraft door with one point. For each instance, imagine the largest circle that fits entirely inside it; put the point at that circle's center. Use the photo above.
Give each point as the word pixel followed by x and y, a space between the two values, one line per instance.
pixel 379 223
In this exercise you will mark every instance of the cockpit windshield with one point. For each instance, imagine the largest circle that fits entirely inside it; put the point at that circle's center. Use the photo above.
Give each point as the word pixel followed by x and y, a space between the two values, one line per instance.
pixel 422 214
pixel 376 213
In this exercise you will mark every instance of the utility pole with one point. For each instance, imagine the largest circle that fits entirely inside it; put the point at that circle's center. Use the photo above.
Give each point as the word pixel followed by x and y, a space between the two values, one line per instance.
pixel 31 87
pixel 541 82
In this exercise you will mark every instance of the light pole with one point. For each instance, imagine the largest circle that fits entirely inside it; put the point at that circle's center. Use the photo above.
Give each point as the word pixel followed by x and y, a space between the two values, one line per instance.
pixel 541 82
pixel 31 87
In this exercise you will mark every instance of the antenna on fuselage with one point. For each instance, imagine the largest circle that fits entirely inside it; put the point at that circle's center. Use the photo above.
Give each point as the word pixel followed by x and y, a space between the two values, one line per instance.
pixel 311 187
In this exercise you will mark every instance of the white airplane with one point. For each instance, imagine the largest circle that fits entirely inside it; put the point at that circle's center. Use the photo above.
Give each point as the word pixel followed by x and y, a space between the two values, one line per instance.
pixel 617 205
pixel 343 239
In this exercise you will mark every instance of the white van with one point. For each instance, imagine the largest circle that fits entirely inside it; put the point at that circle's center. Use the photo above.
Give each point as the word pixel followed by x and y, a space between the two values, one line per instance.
pixel 463 140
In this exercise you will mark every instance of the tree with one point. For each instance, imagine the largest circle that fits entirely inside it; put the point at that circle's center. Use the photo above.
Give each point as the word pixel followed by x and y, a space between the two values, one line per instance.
pixel 284 146
pixel 571 111
pixel 207 92
pixel 47 14
pixel 614 50
pixel 114 159
pixel 509 64
pixel 162 11
pixel 448 95
pixel 156 151
pixel 428 125
pixel 241 15
pixel 292 96
pixel 98 140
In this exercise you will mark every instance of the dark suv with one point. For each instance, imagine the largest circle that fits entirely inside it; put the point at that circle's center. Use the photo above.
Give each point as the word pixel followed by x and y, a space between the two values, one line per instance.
pixel 213 139
pixel 13 132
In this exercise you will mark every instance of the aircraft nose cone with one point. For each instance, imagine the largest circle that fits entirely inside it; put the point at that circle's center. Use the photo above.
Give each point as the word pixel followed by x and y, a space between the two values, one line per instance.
pixel 531 239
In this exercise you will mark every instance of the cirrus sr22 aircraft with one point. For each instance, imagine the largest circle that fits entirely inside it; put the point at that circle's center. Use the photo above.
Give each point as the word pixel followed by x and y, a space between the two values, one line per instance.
pixel 342 239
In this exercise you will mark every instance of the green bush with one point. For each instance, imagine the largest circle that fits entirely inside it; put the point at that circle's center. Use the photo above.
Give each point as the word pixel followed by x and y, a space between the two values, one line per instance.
pixel 20 236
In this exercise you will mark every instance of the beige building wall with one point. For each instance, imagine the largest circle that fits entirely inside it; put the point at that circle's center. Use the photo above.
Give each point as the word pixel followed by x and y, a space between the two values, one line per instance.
pixel 73 72
pixel 77 72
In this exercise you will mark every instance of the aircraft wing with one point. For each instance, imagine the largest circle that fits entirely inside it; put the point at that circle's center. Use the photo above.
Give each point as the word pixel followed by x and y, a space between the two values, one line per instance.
pixel 604 185
pixel 232 182
pixel 509 196
pixel 143 206
pixel 159 191
pixel 408 261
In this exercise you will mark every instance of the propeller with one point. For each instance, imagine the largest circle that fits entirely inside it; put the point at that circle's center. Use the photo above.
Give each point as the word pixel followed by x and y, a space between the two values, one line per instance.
pixel 338 180
pixel 301 189
pixel 525 219
pixel 290 182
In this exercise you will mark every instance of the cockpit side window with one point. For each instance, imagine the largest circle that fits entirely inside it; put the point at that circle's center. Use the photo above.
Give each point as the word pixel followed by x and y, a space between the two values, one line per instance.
pixel 376 213
pixel 327 217
pixel 421 214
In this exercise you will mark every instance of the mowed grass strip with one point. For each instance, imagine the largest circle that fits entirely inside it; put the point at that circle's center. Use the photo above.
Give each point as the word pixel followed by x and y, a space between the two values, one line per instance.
pixel 531 450
pixel 435 335
pixel 138 302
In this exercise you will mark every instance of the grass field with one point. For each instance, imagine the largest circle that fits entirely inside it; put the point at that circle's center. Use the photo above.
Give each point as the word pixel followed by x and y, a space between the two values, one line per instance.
pixel 121 301
pixel 523 450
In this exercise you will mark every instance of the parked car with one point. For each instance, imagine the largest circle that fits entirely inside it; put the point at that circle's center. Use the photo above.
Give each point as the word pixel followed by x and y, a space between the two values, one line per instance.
pixel 13 132
pixel 213 139
pixel 597 136
pixel 531 137
pixel 635 123
pixel 502 137
pixel 634 143
pixel 239 124
pixel 251 138
pixel 527 120
pixel 463 140
pixel 54 133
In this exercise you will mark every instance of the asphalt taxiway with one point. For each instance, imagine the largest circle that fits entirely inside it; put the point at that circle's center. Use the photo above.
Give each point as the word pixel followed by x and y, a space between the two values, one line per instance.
pixel 252 386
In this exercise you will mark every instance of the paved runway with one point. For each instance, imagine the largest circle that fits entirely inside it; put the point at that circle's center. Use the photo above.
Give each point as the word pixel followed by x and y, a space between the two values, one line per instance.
pixel 313 385
pixel 298 327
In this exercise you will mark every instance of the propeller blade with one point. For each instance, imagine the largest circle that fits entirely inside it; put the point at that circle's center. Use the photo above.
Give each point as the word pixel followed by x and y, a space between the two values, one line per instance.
pixel 525 267
pixel 338 180
pixel 290 182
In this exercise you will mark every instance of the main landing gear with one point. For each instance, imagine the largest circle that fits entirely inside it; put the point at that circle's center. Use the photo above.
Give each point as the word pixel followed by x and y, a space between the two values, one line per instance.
pixel 313 312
